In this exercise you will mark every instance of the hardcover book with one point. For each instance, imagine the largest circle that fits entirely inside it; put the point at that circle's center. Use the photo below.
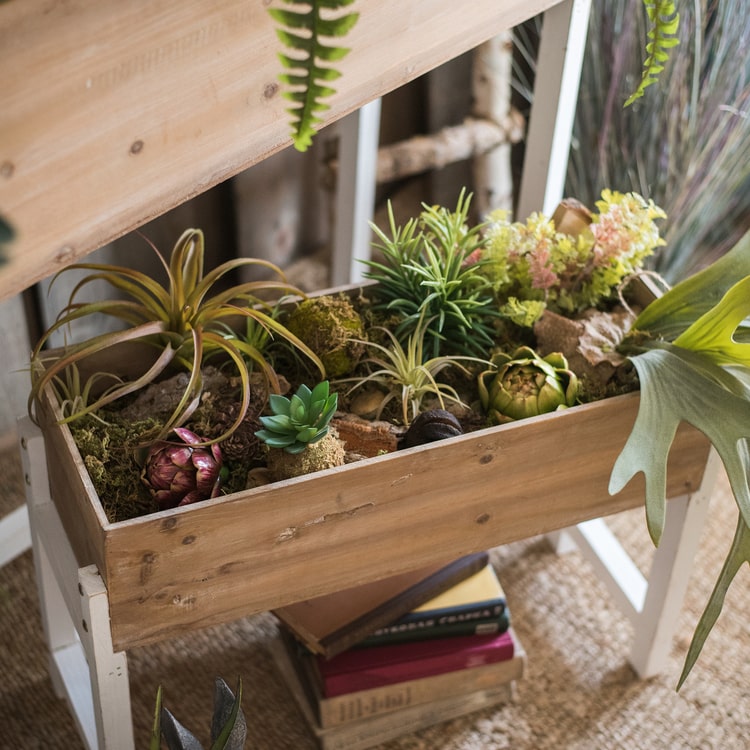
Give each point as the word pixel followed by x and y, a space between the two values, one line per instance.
pixel 329 625
pixel 365 668
pixel 381 726
pixel 475 606
pixel 364 704
pixel 419 632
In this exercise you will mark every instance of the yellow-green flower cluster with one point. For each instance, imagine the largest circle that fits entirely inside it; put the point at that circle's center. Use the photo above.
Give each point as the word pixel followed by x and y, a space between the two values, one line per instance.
pixel 533 266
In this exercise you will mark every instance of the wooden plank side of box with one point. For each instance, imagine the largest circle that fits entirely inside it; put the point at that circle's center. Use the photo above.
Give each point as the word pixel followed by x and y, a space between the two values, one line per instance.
pixel 115 112
pixel 265 548
pixel 71 489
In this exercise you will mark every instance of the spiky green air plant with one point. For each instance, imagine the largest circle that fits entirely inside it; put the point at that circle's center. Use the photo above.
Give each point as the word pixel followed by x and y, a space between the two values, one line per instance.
pixel 184 471
pixel 299 421
pixel 431 271
pixel 664 22
pixel 691 350
pixel 228 725
pixel 309 67
pixel 181 320
pixel 406 374
pixel 525 385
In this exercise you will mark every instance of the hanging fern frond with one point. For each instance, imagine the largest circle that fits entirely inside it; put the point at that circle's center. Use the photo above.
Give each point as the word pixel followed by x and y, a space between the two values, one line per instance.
pixel 308 76
pixel 664 21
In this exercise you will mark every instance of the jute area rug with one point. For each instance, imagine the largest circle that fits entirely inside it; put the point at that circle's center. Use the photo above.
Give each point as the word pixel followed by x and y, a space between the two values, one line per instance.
pixel 578 692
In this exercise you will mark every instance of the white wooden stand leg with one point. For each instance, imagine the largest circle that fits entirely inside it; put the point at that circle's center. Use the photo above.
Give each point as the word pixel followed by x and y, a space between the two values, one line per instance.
pixel 653 604
pixel 558 75
pixel 15 536
pixel 359 135
pixel 75 615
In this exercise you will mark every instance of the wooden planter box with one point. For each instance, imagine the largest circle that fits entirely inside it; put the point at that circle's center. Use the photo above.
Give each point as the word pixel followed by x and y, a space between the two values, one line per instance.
pixel 222 559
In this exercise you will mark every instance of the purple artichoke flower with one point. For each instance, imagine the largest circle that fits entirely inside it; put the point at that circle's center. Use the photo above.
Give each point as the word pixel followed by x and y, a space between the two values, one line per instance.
pixel 182 474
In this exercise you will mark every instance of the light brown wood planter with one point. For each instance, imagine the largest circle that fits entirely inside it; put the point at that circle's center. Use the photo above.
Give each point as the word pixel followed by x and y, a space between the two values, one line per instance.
pixel 215 561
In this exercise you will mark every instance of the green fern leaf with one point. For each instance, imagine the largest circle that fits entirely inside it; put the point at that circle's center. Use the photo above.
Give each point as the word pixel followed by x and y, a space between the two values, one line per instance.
pixel 305 75
pixel 665 21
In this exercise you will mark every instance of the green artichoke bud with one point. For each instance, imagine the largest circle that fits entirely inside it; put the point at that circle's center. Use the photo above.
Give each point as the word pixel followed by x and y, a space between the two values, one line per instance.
pixel 298 421
pixel 524 384
pixel 180 474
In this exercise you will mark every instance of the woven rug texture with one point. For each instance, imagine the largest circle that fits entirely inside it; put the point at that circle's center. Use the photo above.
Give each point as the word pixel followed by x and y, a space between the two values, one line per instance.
pixel 579 692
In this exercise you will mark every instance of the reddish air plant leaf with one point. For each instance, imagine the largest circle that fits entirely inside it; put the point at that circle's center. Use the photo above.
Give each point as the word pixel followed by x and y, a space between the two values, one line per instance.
pixel 178 474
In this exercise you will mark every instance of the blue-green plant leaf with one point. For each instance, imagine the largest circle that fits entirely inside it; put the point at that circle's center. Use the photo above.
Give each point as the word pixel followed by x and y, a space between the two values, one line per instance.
pixel 693 365
pixel 304 73
pixel 739 553
pixel 669 315
pixel 678 386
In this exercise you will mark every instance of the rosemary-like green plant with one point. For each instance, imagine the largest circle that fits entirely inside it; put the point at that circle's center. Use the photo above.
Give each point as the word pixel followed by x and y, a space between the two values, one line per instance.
pixel 309 69
pixel 408 375
pixel 181 320
pixel 430 272
pixel 691 350
pixel 664 22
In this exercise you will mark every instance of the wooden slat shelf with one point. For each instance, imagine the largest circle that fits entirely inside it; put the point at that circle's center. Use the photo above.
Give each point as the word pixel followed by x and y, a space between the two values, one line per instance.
pixel 115 112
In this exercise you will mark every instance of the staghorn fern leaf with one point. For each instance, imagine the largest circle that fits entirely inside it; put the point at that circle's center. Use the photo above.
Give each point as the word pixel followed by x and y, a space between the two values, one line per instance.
pixel 304 29
pixel 694 366
pixel 664 21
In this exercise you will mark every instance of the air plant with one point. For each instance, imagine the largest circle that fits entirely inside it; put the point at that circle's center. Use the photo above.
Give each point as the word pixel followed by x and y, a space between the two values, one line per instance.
pixel 180 320
pixel 407 375
pixel 75 394
pixel 431 271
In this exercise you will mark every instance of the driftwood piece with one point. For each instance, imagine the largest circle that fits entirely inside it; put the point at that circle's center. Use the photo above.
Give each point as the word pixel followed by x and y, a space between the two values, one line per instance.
pixel 425 152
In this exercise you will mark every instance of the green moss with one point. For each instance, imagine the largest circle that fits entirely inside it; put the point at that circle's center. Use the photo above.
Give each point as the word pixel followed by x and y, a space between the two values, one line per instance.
pixel 331 327
pixel 110 453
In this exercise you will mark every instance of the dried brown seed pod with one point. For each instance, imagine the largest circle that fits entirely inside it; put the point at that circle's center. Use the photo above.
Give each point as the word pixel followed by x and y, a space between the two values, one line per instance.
pixel 431 425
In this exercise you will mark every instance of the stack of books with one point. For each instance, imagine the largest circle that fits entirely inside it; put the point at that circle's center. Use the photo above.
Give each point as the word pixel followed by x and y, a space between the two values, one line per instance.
pixel 392 657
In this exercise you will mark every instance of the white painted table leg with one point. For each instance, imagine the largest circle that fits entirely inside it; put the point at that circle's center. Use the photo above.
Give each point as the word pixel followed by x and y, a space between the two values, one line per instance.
pixel 75 615
pixel 359 135
pixel 652 603
pixel 108 670
pixel 15 536
pixel 670 575
pixel 558 74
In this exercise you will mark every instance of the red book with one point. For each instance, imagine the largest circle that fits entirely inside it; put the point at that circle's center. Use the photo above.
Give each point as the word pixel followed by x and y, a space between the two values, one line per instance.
pixel 365 668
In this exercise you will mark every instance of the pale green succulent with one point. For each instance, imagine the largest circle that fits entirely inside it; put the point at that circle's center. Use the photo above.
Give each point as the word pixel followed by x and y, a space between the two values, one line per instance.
pixel 299 421
pixel 691 350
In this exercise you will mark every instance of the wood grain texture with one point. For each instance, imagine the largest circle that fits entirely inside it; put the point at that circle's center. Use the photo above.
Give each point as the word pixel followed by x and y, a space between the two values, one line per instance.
pixel 219 560
pixel 114 113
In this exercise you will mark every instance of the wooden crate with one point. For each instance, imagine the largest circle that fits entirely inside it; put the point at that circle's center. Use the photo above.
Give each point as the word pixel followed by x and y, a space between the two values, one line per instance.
pixel 215 561
pixel 114 112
